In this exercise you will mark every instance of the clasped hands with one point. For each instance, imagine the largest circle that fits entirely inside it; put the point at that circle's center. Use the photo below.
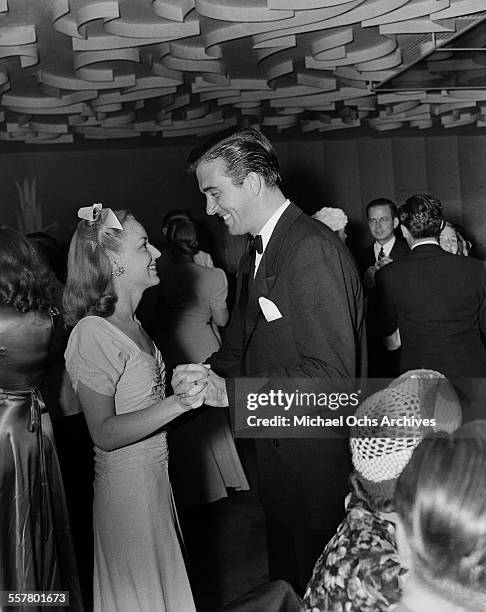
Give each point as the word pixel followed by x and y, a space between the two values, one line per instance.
pixel 195 384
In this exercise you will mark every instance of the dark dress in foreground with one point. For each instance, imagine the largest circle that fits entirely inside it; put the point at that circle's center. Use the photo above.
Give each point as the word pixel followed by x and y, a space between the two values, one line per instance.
pixel 36 551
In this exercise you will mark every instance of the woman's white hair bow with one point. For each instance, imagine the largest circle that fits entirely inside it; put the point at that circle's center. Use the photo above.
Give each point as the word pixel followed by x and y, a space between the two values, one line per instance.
pixel 96 211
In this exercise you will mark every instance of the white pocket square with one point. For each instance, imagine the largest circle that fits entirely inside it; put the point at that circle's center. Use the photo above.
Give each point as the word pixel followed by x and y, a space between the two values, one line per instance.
pixel 269 309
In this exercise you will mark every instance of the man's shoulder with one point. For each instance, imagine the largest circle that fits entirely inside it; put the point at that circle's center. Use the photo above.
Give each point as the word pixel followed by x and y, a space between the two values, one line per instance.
pixel 307 240
pixel 438 260
pixel 299 226
pixel 471 265
pixel 449 260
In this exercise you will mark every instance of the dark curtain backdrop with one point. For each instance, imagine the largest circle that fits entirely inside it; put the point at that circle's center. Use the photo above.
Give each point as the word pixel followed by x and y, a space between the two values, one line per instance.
pixel 344 173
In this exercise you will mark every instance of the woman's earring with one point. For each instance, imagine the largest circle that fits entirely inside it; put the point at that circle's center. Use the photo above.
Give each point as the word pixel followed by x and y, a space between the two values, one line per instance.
pixel 117 270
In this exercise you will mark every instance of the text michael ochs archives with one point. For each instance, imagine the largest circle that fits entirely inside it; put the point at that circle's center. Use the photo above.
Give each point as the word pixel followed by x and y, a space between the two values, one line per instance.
pixel 340 421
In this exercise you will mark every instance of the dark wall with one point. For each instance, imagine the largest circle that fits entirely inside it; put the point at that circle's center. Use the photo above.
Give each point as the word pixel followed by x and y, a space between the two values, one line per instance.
pixel 343 173
pixel 147 181
pixel 350 173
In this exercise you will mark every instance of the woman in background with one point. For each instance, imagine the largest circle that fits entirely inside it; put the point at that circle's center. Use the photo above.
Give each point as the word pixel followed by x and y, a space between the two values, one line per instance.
pixel 441 502
pixel 73 442
pixel 335 218
pixel 200 257
pixel 36 551
pixel 359 569
pixel 451 240
pixel 119 377
pixel 191 306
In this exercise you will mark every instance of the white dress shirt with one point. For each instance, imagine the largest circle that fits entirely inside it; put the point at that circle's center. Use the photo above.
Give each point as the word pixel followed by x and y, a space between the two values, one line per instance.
pixel 267 231
pixel 387 247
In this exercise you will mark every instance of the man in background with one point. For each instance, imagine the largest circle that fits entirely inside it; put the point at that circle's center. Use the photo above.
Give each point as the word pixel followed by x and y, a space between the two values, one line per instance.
pixel 433 302
pixel 382 222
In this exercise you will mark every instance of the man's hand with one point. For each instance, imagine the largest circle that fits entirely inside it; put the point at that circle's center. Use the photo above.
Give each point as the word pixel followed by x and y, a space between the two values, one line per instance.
pixel 383 262
pixel 195 397
pixel 3 398
pixel 189 383
pixel 369 275
pixel 186 376
pixel 216 391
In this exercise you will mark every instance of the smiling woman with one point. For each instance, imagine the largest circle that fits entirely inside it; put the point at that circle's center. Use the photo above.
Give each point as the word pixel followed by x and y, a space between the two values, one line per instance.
pixel 118 375
pixel 452 241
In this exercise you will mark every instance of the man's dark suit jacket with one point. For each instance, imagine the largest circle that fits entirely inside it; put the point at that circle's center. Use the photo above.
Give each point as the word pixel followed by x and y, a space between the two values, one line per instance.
pixel 310 275
pixel 381 364
pixel 438 302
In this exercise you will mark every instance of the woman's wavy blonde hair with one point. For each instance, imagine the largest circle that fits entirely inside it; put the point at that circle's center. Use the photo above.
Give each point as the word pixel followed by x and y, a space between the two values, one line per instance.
pixel 89 286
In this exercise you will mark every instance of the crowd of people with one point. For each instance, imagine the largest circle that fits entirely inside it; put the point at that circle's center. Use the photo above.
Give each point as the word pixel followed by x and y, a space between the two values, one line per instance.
pixel 381 517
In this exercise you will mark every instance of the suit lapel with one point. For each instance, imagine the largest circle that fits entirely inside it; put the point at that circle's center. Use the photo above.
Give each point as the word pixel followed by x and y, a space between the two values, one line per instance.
pixel 257 289
pixel 266 275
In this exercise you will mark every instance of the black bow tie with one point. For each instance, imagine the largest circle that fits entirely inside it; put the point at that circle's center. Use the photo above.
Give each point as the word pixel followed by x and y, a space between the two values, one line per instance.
pixel 254 243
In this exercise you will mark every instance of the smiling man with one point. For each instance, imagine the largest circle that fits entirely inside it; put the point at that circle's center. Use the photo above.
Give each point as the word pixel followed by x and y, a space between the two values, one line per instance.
pixel 316 330
pixel 236 202
pixel 382 221
pixel 381 214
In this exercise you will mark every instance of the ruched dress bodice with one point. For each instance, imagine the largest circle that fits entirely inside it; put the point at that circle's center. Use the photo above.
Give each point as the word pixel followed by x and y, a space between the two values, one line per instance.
pixel 115 366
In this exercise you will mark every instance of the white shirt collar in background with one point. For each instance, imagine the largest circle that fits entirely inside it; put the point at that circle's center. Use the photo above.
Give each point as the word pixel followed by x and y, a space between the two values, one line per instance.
pixel 426 241
pixel 387 247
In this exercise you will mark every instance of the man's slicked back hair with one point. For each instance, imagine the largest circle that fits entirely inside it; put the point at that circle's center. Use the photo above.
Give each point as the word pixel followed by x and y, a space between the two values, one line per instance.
pixel 383 202
pixel 245 151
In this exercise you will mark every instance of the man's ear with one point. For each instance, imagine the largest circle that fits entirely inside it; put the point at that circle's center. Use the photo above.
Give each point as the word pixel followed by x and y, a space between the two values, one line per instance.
pixel 406 233
pixel 395 222
pixel 253 182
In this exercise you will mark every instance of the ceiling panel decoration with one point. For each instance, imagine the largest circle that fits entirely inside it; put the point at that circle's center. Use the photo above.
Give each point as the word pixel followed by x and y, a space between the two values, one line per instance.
pixel 80 70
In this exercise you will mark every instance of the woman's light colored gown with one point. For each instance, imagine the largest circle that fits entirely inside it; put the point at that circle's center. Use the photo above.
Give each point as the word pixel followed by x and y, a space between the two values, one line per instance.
pixel 139 565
